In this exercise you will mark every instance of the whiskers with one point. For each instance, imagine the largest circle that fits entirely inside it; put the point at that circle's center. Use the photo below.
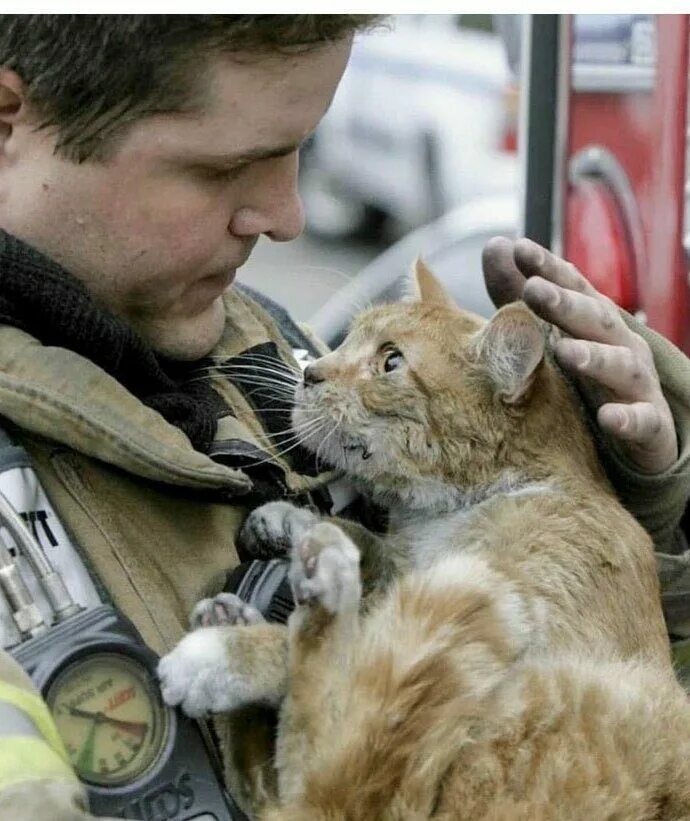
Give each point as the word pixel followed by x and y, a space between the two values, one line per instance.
pixel 317 455
pixel 285 441
pixel 271 383
pixel 271 378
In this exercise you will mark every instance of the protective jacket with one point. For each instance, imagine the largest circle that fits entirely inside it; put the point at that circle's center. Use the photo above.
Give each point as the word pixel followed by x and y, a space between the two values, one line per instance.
pixel 154 519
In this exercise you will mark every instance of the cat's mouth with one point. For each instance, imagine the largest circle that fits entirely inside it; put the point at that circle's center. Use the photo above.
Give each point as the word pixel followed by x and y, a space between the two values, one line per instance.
pixel 331 427
pixel 363 449
pixel 330 442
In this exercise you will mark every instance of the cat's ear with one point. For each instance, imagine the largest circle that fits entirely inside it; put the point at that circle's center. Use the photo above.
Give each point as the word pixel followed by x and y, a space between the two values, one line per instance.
pixel 512 347
pixel 427 287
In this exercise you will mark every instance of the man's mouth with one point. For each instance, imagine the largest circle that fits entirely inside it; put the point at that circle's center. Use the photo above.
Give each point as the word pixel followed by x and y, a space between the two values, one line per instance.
pixel 206 290
pixel 210 287
pixel 218 282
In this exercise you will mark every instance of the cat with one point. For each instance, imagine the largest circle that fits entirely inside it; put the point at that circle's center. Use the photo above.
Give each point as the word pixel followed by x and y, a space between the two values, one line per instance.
pixel 500 653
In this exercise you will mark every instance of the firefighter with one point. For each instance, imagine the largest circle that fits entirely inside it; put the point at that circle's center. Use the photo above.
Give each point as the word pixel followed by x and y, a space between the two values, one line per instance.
pixel 141 157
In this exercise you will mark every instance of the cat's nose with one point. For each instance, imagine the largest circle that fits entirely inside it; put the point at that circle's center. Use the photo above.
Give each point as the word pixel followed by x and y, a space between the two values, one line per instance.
pixel 312 376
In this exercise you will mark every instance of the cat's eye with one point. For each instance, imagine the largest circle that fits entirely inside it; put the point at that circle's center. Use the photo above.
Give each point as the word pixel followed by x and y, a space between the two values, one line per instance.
pixel 392 360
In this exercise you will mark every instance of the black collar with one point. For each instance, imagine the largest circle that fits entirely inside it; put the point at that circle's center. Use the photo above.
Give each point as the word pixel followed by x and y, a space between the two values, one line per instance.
pixel 43 299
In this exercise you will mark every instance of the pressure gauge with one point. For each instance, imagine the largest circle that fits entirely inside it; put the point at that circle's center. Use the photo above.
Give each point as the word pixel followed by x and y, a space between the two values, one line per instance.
pixel 137 757
pixel 110 718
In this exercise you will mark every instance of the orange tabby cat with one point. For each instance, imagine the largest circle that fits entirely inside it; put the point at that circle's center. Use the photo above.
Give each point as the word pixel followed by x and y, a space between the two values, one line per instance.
pixel 510 660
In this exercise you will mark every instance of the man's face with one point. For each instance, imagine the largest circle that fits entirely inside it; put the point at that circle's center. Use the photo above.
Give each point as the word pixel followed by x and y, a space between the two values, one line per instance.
pixel 157 232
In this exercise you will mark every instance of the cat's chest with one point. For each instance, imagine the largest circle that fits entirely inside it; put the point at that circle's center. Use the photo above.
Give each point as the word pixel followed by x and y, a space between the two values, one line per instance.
pixel 426 541
pixel 472 527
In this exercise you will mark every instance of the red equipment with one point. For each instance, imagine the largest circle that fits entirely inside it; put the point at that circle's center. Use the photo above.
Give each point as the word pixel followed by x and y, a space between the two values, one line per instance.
pixel 618 90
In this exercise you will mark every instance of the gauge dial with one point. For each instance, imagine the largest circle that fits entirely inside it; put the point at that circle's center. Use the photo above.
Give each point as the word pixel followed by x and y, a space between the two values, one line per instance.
pixel 110 717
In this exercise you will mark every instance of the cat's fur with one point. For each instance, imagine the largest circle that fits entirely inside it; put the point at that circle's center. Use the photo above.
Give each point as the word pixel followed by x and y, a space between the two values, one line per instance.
pixel 511 660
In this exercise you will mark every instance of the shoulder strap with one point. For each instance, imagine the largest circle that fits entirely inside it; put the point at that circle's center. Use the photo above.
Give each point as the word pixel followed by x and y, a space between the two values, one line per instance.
pixel 293 334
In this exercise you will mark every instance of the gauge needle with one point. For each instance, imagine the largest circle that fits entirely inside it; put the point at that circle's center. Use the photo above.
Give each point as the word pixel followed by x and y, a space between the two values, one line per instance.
pixel 135 727
pixel 85 760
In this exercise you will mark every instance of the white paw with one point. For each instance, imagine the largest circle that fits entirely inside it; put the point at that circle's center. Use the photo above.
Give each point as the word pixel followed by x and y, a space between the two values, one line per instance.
pixel 225 608
pixel 325 569
pixel 272 529
pixel 196 675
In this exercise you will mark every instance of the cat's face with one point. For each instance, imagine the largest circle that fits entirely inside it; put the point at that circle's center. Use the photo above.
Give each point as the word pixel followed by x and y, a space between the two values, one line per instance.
pixel 422 391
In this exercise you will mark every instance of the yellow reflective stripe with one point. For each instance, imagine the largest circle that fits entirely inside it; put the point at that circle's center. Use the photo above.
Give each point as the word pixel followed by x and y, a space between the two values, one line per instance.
pixel 37 710
pixel 24 758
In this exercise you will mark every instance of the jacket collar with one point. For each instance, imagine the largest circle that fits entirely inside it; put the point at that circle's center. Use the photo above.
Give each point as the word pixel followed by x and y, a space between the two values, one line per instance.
pixel 55 393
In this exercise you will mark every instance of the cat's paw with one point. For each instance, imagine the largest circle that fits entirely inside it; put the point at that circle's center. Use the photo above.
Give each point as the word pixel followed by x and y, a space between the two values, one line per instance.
pixel 272 529
pixel 325 569
pixel 197 676
pixel 225 608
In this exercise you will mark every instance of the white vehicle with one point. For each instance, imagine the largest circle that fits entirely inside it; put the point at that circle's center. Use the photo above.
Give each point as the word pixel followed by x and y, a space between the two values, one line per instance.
pixel 451 246
pixel 423 121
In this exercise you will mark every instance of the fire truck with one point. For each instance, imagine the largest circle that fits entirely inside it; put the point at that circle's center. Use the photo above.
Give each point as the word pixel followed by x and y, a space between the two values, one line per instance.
pixel 603 138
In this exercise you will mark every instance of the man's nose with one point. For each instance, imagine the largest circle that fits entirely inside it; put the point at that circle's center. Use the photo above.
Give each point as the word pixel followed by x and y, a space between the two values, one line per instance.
pixel 272 204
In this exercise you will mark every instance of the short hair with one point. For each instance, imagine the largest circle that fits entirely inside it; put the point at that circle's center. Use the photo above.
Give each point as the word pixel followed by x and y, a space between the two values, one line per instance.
pixel 92 76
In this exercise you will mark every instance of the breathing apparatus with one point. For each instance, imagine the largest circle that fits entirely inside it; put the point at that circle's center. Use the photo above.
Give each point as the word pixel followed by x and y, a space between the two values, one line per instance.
pixel 137 757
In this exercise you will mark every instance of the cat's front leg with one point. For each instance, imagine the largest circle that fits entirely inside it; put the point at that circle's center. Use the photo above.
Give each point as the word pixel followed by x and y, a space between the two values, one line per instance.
pixel 274 528
pixel 323 630
pixel 232 658
pixel 325 579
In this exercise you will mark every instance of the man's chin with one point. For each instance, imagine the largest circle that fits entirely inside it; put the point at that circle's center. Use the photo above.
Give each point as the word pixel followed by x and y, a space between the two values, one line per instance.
pixel 187 338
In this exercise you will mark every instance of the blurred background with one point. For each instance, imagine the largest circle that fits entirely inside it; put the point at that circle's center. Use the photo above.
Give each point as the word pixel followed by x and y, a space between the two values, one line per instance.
pixel 447 130
pixel 423 122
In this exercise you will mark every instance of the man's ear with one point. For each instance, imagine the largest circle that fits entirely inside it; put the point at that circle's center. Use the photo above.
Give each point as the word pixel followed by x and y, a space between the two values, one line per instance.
pixel 512 347
pixel 427 287
pixel 12 102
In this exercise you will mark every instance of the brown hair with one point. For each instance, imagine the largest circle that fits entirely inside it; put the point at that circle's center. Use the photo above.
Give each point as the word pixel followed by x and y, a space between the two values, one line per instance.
pixel 92 76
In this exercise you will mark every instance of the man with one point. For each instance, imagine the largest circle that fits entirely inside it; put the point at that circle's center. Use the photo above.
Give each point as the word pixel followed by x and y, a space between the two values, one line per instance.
pixel 140 160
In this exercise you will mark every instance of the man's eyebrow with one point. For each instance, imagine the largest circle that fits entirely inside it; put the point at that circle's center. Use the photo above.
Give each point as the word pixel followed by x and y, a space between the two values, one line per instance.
pixel 248 156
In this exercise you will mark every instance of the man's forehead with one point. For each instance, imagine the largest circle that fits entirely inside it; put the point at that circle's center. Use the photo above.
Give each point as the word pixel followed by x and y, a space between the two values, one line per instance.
pixel 290 78
pixel 247 110
pixel 268 106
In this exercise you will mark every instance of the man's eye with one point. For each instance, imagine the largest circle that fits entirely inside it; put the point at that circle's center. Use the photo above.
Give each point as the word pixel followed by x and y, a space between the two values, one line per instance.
pixel 222 174
pixel 393 359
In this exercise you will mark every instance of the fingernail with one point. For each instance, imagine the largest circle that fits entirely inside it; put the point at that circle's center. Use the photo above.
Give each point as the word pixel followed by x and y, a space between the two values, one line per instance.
pixel 547 294
pixel 582 355
pixel 575 353
pixel 617 419
pixel 536 252
pixel 529 252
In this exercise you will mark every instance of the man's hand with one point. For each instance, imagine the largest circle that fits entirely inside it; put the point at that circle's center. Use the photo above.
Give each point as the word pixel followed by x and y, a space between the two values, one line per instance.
pixel 598 345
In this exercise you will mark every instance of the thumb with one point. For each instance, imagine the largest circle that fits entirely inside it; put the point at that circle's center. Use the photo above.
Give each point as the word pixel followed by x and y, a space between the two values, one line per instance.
pixel 504 282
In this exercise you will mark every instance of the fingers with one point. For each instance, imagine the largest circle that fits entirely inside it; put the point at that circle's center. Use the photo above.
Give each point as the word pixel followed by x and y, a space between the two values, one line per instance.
pixel 602 347
pixel 533 260
pixel 629 376
pixel 507 265
pixel 557 291
pixel 578 314
pixel 648 431
pixel 639 415
pixel 504 282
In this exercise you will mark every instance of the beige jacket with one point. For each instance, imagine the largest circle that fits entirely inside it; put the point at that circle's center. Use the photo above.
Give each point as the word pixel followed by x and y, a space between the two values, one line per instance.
pixel 156 520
